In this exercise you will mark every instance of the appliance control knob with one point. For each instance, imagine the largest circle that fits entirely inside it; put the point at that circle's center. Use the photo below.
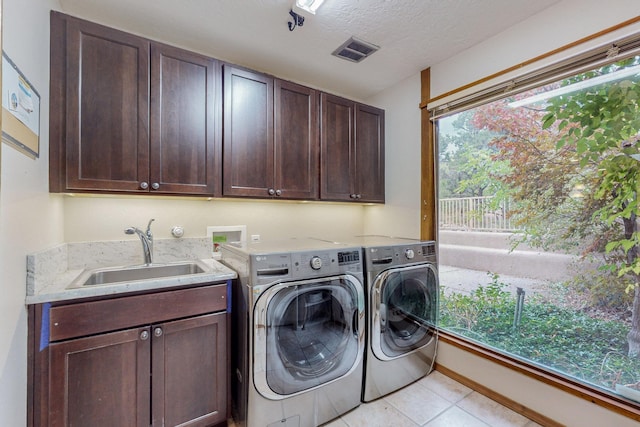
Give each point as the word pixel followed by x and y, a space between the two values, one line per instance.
pixel 409 253
pixel 316 263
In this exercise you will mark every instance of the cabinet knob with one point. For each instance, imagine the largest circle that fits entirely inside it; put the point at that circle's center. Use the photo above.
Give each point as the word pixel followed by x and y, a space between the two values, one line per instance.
pixel 144 185
pixel 272 191
pixel 353 196
pixel 358 196
pixel 157 332
pixel 144 335
pixel 155 185
pixel 278 192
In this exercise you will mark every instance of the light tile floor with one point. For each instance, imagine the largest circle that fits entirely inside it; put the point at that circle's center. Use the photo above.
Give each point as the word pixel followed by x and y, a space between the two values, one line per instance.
pixel 434 401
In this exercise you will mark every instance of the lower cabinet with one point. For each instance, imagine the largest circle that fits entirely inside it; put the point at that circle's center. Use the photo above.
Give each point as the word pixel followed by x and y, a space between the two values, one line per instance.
pixel 165 373
pixel 189 367
pixel 101 381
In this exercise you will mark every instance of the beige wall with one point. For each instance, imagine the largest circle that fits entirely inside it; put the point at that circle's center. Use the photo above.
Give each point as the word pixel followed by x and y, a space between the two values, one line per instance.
pixel 559 25
pixel 400 215
pixel 30 219
pixel 556 26
pixel 105 218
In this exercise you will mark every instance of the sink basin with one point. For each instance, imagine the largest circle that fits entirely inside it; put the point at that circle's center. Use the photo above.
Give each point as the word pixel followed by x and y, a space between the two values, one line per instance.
pixel 112 275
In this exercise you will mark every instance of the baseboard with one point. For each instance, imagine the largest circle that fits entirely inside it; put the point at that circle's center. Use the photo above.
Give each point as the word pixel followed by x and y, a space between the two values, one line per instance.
pixel 501 399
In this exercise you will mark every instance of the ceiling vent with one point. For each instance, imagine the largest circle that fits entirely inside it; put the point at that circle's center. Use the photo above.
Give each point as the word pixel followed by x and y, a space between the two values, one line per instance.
pixel 355 50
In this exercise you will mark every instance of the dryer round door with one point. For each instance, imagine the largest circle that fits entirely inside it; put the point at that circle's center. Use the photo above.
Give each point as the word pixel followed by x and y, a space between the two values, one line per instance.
pixel 307 334
pixel 404 304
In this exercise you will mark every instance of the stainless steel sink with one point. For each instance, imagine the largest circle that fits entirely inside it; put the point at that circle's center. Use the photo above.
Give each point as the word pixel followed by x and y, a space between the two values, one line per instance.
pixel 112 275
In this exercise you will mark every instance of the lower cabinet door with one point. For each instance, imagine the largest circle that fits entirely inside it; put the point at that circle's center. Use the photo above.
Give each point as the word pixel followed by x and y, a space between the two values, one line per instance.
pixel 103 380
pixel 189 370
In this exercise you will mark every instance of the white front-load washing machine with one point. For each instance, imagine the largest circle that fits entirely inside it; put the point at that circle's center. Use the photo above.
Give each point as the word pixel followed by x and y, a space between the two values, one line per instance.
pixel 298 331
pixel 401 286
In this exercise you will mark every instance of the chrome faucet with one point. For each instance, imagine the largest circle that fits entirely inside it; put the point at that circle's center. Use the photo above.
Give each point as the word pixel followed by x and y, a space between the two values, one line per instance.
pixel 146 237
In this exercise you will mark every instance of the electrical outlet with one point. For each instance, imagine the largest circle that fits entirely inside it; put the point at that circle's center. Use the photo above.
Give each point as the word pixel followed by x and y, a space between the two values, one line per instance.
pixel 255 237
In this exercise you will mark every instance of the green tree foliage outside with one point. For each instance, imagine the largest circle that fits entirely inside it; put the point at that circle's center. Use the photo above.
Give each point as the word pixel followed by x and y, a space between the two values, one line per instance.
pixel 603 124
pixel 468 167
pixel 571 168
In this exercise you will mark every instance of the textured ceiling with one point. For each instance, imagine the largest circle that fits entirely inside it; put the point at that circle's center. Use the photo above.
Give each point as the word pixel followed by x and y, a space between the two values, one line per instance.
pixel 412 34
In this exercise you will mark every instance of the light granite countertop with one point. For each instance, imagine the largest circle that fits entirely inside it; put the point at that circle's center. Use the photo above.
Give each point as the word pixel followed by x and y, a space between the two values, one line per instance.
pixel 52 271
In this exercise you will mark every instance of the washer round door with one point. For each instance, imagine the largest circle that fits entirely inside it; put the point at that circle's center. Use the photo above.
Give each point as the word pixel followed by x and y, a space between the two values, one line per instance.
pixel 405 310
pixel 307 334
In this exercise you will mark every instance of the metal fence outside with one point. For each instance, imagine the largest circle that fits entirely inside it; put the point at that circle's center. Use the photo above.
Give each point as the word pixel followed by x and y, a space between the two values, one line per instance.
pixel 475 213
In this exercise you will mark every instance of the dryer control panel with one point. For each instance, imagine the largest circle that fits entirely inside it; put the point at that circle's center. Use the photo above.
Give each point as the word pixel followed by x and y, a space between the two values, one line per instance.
pixel 381 257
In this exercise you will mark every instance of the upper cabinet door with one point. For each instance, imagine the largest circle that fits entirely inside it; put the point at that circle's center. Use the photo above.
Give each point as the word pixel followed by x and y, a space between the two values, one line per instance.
pixel 337 148
pixel 352 151
pixel 296 141
pixel 107 108
pixel 183 122
pixel 369 154
pixel 248 134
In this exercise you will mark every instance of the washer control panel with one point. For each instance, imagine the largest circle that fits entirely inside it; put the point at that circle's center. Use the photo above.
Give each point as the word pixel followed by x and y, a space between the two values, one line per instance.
pixel 295 259
pixel 325 262
pixel 409 253
pixel 316 263
pixel 350 257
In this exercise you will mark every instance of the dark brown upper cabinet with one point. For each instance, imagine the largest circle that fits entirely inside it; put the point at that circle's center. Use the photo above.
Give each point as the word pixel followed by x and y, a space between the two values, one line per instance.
pixel 130 115
pixel 183 155
pixel 352 151
pixel 270 141
pixel 296 141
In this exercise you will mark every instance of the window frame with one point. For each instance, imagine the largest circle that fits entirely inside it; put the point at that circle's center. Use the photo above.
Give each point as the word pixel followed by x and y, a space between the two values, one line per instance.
pixel 465 98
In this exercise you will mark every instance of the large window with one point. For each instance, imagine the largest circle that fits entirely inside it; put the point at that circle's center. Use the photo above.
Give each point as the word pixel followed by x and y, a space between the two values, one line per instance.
pixel 538 225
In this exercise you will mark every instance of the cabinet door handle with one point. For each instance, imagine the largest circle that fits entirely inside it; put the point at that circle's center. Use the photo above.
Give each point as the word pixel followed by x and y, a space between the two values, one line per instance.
pixel 144 335
pixel 272 191
pixel 157 332
pixel 155 185
pixel 144 185
pixel 278 192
